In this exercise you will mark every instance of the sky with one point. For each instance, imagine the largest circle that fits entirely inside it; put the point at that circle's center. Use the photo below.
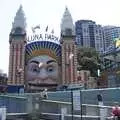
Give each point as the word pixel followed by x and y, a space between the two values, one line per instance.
pixel 50 12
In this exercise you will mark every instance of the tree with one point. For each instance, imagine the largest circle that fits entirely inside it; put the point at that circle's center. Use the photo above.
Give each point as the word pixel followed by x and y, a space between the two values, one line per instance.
pixel 88 59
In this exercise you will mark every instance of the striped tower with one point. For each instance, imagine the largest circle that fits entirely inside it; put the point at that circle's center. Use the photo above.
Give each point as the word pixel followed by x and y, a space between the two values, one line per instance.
pixel 17 40
pixel 69 57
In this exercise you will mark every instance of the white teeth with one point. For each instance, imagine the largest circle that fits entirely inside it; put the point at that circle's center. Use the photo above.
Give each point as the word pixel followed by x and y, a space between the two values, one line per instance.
pixel 38 81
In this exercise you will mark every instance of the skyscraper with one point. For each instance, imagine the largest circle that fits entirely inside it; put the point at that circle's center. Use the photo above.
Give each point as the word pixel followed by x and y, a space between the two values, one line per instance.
pixel 89 34
pixel 110 33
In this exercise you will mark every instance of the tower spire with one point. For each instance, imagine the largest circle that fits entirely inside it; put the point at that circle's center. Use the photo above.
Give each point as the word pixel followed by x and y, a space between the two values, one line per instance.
pixel 69 56
pixel 17 40
pixel 19 19
pixel 67 26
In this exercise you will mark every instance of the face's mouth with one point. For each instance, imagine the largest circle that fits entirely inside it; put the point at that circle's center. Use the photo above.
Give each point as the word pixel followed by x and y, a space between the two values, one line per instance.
pixel 43 81
pixel 42 84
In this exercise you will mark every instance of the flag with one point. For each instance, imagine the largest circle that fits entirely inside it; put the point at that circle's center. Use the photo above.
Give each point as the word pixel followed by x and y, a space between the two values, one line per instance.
pixel 37 27
pixel 46 28
pixel 52 31
pixel 34 28
pixel 118 43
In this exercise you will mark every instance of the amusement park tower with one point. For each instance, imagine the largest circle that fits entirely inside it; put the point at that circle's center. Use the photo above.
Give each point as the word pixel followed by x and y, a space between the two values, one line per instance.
pixel 69 57
pixel 17 41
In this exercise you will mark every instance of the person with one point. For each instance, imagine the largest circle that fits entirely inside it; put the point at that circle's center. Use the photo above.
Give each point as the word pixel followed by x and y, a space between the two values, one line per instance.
pixel 116 111
pixel 42 68
pixel 44 94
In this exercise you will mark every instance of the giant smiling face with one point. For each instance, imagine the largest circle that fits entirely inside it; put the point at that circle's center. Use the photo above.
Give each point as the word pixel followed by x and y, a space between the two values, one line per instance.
pixel 42 70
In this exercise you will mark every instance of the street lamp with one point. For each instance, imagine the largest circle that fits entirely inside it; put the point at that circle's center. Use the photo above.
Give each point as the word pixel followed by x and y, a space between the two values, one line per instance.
pixel 72 103
pixel 98 79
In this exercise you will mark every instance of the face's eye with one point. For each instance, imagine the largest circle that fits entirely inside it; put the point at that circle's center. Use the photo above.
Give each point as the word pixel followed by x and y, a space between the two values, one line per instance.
pixel 35 69
pixel 50 69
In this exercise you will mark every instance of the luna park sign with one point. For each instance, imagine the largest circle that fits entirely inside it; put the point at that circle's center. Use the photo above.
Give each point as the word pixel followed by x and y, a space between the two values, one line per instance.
pixel 37 37
pixel 42 36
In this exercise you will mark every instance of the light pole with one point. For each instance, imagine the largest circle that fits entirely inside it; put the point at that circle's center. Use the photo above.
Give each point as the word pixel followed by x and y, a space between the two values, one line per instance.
pixel 72 104
pixel 98 78
pixel 81 104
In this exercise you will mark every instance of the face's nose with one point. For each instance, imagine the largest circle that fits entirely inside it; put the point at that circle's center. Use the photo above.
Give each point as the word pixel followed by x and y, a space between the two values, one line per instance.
pixel 42 74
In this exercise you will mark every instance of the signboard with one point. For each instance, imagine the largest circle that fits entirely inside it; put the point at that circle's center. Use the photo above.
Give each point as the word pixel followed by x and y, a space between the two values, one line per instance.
pixel 42 35
pixel 76 100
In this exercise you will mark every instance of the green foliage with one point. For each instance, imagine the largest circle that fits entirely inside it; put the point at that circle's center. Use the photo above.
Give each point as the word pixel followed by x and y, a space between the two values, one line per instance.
pixel 88 59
